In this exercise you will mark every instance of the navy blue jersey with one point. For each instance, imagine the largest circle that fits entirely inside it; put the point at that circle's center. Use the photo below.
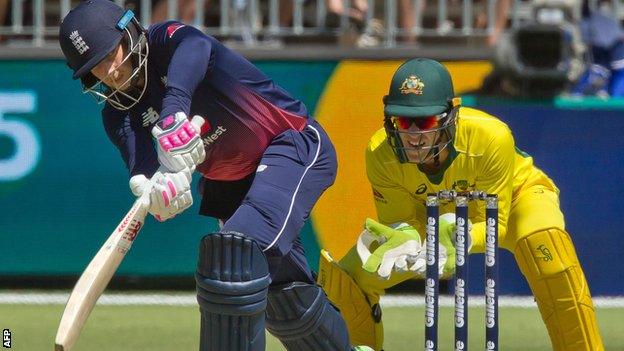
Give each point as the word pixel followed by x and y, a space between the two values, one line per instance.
pixel 191 72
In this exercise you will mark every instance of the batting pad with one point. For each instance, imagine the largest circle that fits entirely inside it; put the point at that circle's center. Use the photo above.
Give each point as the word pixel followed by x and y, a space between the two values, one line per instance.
pixel 302 318
pixel 549 262
pixel 232 283
pixel 363 320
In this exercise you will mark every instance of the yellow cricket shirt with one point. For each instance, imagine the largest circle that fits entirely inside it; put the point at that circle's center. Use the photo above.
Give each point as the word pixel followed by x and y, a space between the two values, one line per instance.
pixel 482 157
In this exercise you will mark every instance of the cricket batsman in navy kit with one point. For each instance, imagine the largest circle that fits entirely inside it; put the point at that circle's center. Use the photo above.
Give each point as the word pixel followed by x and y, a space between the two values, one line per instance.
pixel 264 163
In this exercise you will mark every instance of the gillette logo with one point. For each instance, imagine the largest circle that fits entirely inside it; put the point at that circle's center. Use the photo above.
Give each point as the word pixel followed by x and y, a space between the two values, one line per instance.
pixel 460 244
pixel 429 345
pixel 459 345
pixel 490 238
pixel 490 303
pixel 431 240
pixel 460 298
pixel 430 302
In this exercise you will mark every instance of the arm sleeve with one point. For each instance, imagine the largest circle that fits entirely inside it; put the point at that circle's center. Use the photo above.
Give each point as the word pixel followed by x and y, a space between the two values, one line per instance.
pixel 191 56
pixel 495 176
pixel 133 142
pixel 392 202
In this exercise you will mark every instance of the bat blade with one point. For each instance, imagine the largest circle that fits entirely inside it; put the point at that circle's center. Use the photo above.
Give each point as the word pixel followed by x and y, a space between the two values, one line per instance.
pixel 98 273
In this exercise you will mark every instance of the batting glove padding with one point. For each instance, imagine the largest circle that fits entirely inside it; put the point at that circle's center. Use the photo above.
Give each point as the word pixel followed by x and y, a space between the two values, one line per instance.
pixel 179 142
pixel 170 192
pixel 397 249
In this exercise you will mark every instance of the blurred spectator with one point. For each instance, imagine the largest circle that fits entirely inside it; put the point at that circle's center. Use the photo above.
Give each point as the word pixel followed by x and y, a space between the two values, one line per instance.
pixel 604 36
pixel 186 10
pixel 408 14
pixel 500 20
pixel 367 33
pixel 356 13
pixel 407 18
pixel 335 9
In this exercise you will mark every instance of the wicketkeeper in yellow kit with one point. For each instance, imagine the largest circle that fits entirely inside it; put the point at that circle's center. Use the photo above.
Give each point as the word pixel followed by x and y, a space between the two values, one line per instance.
pixel 429 143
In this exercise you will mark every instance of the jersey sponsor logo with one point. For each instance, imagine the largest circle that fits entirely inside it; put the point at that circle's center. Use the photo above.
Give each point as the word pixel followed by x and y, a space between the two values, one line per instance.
pixel 211 138
pixel 412 85
pixel 172 28
pixel 422 188
pixel 545 253
pixel 149 117
pixel 78 42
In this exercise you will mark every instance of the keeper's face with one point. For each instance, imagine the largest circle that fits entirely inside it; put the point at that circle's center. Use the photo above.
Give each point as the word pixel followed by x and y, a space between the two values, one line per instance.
pixel 115 70
pixel 418 136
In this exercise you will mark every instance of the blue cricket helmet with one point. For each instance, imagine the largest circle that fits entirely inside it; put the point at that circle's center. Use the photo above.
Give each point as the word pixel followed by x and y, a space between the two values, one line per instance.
pixel 91 31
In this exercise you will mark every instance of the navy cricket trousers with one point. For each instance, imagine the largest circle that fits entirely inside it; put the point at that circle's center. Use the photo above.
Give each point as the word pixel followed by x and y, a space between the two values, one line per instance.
pixel 294 171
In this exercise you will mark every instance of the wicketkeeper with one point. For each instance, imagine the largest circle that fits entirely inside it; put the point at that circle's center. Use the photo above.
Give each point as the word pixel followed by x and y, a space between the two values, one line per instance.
pixel 429 143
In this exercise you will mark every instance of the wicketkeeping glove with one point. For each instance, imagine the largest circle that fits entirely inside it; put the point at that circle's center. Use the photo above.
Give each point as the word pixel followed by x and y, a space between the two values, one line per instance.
pixel 446 260
pixel 398 249
pixel 446 252
pixel 179 142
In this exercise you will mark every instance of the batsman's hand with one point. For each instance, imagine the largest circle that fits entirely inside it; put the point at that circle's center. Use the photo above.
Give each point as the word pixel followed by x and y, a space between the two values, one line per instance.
pixel 179 142
pixel 396 249
pixel 170 192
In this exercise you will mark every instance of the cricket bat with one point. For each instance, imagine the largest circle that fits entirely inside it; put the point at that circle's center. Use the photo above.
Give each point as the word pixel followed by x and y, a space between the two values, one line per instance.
pixel 98 273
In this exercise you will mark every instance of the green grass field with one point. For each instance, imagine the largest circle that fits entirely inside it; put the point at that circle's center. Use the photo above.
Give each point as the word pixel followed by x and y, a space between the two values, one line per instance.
pixel 125 328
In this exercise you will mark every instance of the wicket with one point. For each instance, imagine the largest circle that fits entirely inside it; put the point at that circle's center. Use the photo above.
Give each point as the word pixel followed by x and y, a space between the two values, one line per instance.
pixel 432 292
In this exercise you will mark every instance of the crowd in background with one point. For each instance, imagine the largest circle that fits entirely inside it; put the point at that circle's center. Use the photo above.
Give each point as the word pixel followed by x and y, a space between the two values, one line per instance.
pixel 575 46
pixel 364 18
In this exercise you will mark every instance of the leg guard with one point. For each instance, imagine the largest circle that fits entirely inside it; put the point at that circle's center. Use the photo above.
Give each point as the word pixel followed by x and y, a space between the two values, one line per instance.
pixel 548 261
pixel 363 317
pixel 301 316
pixel 232 284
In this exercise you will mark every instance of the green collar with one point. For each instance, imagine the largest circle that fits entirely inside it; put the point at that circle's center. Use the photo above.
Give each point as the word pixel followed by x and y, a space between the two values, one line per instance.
pixel 437 177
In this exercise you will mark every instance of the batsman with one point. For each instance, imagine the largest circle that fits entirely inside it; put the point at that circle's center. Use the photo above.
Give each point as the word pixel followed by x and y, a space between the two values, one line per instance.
pixel 429 142
pixel 263 160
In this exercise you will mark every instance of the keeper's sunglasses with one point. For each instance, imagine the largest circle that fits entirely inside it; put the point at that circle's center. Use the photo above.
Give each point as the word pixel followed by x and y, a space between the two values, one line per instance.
pixel 423 123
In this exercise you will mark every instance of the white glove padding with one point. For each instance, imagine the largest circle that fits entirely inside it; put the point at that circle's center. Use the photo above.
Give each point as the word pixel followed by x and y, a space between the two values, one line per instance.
pixel 170 193
pixel 179 142
pixel 398 248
